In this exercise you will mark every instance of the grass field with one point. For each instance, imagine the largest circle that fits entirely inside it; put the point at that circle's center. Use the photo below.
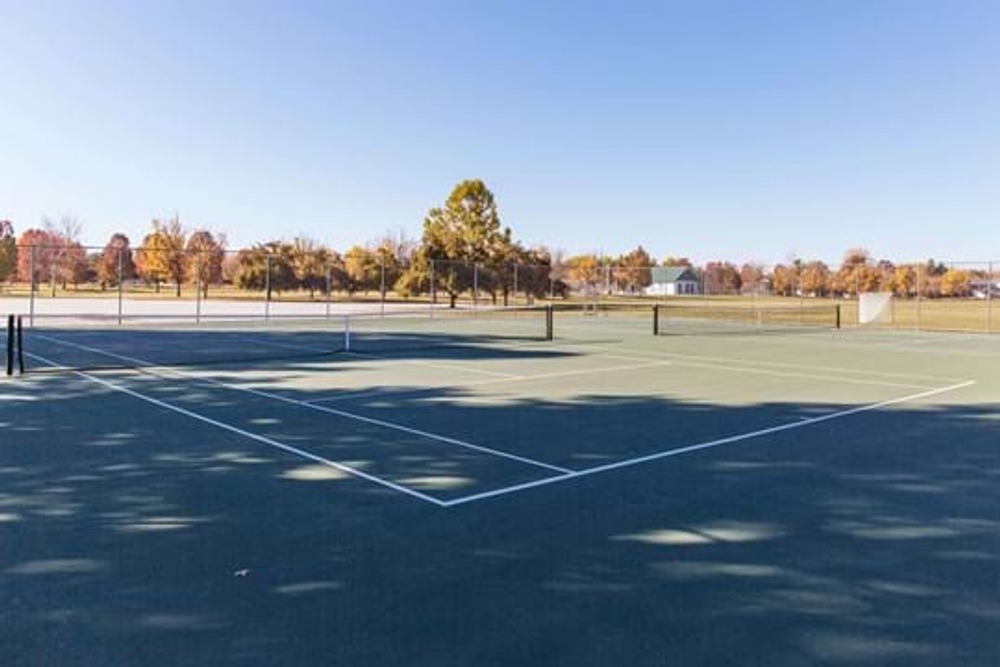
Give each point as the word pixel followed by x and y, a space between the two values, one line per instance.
pixel 465 492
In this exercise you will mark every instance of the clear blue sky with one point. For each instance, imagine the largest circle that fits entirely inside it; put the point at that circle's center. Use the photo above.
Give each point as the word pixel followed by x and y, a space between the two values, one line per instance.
pixel 718 130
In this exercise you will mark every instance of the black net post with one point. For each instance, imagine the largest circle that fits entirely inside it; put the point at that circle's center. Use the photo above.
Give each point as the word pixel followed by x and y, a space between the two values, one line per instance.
pixel 10 345
pixel 837 316
pixel 20 345
pixel 656 319
pixel 548 322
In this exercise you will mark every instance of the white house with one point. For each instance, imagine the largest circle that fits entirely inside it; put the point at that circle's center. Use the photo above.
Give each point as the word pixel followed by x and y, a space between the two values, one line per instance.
pixel 672 281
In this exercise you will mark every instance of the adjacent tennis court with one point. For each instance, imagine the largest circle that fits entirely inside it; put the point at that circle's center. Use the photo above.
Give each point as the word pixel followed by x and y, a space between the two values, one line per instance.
pixel 491 487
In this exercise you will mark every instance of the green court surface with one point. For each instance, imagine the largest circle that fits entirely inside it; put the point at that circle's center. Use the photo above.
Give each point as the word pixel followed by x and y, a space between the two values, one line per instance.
pixel 484 496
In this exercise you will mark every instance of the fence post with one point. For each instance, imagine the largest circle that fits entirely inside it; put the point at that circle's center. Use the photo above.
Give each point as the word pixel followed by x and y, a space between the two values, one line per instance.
pixel 989 298
pixel 920 289
pixel 475 286
pixel 121 282
pixel 515 284
pixel 267 289
pixel 329 287
pixel 197 287
pixel 433 287
pixel 31 287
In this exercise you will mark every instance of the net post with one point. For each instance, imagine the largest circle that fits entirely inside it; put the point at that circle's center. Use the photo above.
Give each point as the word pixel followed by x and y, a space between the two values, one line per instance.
pixel 836 309
pixel 549 322
pixel 10 345
pixel 20 345
pixel 656 319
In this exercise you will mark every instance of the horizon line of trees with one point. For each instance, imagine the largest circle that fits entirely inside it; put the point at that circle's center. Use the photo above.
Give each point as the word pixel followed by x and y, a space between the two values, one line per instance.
pixel 463 247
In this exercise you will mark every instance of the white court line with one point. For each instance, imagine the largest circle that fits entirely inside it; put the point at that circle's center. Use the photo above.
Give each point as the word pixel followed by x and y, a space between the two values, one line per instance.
pixel 310 406
pixel 710 362
pixel 702 445
pixel 512 379
pixel 247 434
pixel 842 340
pixel 786 364
pixel 430 364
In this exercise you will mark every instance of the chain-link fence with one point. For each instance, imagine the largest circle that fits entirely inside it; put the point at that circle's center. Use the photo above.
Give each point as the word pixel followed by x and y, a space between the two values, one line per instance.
pixel 119 283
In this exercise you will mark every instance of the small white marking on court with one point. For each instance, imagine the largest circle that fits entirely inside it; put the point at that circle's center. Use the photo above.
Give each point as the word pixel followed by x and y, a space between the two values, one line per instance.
pixel 703 445
pixel 247 434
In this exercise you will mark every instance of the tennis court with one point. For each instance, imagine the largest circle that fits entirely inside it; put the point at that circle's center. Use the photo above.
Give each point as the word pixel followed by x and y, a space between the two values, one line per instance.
pixel 501 487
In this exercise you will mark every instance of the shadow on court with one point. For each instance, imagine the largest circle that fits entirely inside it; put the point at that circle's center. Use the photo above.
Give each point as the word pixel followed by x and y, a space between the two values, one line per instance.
pixel 131 535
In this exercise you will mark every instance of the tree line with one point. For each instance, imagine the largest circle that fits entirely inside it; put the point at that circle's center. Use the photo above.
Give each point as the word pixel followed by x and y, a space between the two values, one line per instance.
pixel 463 247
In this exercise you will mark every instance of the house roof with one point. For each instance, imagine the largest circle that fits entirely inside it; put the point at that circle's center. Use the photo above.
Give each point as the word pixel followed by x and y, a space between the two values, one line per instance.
pixel 673 274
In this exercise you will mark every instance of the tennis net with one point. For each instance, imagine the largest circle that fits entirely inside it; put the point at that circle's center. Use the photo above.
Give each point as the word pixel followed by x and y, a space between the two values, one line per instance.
pixel 280 340
pixel 738 319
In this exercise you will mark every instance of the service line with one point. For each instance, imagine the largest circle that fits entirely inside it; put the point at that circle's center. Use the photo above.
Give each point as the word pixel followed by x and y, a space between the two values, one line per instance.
pixel 703 445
